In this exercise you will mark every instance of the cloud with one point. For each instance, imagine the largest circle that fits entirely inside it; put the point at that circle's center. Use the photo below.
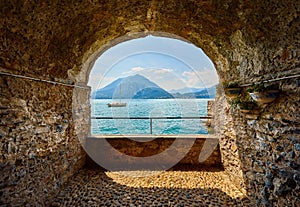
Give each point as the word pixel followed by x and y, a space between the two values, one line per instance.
pixel 133 71
pixel 202 78
pixel 162 71
pixel 165 78
pixel 146 71
pixel 137 69
pixel 169 79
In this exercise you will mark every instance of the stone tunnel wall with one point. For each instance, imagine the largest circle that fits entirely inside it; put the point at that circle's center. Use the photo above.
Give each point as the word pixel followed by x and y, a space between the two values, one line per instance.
pixel 225 128
pixel 274 139
pixel 266 146
pixel 260 152
pixel 38 144
pixel 270 148
pixel 246 40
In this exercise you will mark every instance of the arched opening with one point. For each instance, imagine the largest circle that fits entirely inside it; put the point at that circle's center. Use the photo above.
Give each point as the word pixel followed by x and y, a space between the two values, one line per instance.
pixel 169 63
pixel 86 71
pixel 176 74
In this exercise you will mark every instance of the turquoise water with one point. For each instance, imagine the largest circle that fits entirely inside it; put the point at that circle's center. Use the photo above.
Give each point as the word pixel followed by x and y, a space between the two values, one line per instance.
pixel 150 108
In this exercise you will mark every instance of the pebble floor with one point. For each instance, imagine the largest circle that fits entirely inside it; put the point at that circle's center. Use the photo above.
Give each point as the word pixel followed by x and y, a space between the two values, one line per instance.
pixel 95 187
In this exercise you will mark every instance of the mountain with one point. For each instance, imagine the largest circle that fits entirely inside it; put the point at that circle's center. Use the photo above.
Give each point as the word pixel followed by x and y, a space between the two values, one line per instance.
pixel 152 93
pixel 207 93
pixel 107 91
pixel 203 93
pixel 137 87
pixel 185 90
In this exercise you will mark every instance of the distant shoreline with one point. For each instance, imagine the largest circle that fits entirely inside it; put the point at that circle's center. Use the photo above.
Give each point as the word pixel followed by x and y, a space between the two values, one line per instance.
pixel 209 98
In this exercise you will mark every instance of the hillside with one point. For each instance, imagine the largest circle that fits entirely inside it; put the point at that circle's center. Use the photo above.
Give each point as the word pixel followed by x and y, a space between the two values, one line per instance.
pixel 204 93
pixel 152 93
pixel 137 87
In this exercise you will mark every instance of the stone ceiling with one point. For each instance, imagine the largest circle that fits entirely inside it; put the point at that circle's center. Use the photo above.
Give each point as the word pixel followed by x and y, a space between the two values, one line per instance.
pixel 54 39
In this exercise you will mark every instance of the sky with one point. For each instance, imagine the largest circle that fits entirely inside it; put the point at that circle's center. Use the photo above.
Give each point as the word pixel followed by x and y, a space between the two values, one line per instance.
pixel 170 63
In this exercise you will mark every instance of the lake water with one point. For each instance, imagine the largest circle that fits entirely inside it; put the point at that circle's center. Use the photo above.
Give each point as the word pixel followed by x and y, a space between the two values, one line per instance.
pixel 150 108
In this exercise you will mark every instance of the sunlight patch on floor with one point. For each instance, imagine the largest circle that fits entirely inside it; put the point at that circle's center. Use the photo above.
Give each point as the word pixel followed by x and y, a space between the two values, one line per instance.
pixel 176 179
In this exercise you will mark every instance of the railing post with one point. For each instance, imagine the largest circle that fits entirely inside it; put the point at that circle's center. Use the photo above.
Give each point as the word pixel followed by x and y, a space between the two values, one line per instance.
pixel 150 125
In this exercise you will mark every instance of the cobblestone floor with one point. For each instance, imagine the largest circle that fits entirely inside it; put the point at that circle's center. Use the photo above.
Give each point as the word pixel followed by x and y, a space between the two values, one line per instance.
pixel 94 187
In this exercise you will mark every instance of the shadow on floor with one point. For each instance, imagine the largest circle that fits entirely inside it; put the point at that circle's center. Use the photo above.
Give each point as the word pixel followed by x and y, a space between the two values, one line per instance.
pixel 95 187
pixel 90 164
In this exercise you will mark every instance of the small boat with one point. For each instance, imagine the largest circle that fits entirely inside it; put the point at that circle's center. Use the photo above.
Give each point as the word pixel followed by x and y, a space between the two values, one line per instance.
pixel 116 104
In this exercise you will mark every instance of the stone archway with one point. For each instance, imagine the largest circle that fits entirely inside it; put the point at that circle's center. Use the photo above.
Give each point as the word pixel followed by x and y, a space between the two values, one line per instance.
pixel 51 43
pixel 201 40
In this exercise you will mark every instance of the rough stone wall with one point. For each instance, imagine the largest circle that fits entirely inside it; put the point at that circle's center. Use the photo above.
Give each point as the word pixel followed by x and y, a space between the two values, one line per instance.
pixel 260 152
pixel 38 146
pixel 265 147
pixel 225 128
pixel 269 148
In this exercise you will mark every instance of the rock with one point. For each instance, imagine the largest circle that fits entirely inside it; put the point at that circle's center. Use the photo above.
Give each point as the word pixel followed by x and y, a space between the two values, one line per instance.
pixel 55 204
pixel 293 165
pixel 296 178
pixel 41 130
pixel 264 193
pixel 32 155
pixel 269 184
pixel 297 146
pixel 279 148
pixel 281 188
pixel 59 128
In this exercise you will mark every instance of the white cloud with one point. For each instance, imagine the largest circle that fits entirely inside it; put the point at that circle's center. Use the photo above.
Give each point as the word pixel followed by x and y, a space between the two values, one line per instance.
pixel 162 71
pixel 203 78
pixel 137 69
pixel 165 78
pixel 134 70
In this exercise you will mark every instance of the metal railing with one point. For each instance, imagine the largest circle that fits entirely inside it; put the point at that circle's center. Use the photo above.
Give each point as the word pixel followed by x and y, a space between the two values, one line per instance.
pixel 151 118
